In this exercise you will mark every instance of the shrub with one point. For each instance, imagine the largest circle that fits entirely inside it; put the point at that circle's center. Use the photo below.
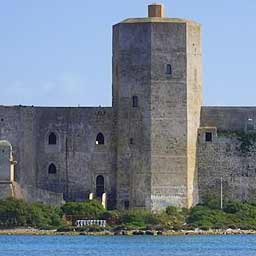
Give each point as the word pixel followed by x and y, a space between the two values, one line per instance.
pixel 232 207
pixel 172 210
pixel 202 216
pixel 211 201
pixel 15 213
pixel 89 209
pixel 112 217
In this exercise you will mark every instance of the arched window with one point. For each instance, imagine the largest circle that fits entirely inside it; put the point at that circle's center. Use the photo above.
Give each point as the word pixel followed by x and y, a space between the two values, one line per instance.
pixel 100 139
pixel 169 69
pixel 52 140
pixel 52 169
pixel 100 187
pixel 135 101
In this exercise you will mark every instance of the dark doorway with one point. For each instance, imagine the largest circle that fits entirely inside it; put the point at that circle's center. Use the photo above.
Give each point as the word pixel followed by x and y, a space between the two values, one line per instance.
pixel 100 188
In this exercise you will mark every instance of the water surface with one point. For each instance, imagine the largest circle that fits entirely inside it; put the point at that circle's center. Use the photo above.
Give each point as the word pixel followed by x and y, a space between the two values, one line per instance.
pixel 129 246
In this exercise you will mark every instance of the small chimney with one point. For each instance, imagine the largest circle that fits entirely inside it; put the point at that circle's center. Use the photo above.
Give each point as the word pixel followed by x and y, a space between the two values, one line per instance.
pixel 156 11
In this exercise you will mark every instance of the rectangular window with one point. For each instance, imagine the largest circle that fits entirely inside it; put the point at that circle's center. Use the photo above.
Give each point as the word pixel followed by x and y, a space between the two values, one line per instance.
pixel 208 137
pixel 126 204
pixel 135 101
pixel 169 69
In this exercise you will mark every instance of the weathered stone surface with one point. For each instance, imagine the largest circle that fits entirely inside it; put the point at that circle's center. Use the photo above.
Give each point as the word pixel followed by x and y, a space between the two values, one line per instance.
pixel 231 154
pixel 77 158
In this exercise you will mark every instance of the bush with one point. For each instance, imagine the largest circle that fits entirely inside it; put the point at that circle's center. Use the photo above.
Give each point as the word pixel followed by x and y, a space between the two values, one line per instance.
pixel 112 217
pixel 235 215
pixel 211 201
pixel 172 210
pixel 43 216
pixel 232 207
pixel 135 218
pixel 15 213
pixel 89 209
pixel 202 216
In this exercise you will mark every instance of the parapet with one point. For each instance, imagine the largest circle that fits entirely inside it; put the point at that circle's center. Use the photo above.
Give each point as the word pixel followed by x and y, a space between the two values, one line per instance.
pixel 156 15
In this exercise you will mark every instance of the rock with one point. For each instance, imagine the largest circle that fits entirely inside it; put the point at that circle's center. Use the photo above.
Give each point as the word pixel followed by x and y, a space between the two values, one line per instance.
pixel 138 232
pixel 150 233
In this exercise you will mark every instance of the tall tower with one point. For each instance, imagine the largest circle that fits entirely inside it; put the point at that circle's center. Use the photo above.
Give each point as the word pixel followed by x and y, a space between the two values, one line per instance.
pixel 157 84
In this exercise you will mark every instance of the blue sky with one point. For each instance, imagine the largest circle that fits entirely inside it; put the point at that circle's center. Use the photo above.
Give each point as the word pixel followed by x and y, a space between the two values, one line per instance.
pixel 58 52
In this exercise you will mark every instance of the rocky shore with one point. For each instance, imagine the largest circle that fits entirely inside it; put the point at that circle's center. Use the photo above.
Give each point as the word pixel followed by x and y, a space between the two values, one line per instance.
pixel 33 231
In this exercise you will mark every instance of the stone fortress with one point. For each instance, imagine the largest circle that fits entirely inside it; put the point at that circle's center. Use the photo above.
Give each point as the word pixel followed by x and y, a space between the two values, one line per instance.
pixel 156 146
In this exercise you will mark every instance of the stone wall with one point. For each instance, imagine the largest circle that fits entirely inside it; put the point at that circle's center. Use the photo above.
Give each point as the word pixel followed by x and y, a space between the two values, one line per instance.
pixel 18 126
pixel 77 157
pixel 231 155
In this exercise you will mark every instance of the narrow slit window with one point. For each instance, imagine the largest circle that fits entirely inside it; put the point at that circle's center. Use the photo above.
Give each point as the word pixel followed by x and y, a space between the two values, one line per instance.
pixel 169 69
pixel 135 101
pixel 208 137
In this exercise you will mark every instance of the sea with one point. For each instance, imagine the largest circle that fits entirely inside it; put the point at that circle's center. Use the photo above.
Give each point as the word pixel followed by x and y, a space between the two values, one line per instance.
pixel 229 245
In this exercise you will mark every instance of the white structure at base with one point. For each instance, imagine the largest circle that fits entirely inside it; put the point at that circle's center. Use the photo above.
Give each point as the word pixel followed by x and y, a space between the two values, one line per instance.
pixel 82 223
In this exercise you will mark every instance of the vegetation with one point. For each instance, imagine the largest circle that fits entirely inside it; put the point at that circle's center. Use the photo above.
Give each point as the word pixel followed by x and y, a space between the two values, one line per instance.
pixel 87 209
pixel 16 213
pixel 247 140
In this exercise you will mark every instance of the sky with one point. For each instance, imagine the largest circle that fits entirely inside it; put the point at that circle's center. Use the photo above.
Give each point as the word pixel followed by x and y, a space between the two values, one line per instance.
pixel 58 52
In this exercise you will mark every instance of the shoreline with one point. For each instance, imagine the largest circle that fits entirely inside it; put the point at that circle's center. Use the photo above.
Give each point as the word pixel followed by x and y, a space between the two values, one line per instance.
pixel 36 232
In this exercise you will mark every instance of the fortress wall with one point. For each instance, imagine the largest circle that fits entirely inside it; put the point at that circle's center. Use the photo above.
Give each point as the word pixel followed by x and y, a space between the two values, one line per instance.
pixel 224 157
pixel 18 126
pixel 77 158
pixel 227 118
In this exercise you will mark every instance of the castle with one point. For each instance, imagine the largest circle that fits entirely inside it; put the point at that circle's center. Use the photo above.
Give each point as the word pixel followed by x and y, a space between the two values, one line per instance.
pixel 156 146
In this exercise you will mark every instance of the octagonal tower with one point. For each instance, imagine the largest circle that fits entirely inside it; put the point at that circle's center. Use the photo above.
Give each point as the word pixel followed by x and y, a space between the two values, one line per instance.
pixel 157 97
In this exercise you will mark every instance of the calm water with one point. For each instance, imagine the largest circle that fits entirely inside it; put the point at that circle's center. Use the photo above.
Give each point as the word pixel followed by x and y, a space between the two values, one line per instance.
pixel 128 246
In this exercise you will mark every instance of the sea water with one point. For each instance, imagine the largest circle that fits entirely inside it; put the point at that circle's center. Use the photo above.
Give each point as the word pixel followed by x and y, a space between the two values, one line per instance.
pixel 233 245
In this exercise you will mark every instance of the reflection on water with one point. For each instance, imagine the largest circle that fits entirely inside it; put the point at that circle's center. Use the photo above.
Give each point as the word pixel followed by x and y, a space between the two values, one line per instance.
pixel 128 246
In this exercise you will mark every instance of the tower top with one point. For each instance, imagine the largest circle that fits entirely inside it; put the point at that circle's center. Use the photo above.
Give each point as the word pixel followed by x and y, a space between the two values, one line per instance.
pixel 156 10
